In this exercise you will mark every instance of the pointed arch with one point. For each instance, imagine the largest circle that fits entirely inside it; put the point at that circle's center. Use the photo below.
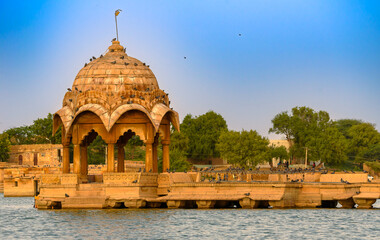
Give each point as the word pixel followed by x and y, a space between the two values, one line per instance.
pixel 160 110
pixel 62 117
pixel 129 107
pixel 97 109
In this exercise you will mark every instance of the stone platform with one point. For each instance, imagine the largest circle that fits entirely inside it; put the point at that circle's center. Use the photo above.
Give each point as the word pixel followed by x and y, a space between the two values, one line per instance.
pixel 190 190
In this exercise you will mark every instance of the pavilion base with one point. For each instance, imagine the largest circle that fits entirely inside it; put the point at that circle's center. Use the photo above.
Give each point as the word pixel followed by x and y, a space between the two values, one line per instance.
pixel 181 190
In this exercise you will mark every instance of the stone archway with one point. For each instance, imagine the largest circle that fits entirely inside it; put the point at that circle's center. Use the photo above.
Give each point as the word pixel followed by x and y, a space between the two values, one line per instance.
pixel 121 142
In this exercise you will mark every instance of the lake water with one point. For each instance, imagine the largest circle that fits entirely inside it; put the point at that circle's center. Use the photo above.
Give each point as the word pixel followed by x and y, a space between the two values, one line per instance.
pixel 18 219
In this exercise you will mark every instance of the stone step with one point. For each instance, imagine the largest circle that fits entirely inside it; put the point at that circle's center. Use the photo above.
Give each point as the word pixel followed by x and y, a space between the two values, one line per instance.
pixel 91 187
pixel 84 202
pixel 89 193
pixel 1 187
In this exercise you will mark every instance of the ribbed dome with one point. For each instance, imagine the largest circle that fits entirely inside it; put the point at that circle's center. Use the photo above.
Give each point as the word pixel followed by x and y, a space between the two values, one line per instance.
pixel 112 84
pixel 115 72
pixel 113 80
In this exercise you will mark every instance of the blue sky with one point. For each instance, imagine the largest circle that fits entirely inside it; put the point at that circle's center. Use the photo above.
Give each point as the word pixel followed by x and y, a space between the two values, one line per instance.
pixel 321 54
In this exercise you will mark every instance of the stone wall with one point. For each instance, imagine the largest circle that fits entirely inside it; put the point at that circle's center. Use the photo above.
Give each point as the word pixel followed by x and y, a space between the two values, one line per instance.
pixel 36 154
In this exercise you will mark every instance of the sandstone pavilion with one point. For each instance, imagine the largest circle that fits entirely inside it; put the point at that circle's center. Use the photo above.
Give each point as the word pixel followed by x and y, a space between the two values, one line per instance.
pixel 115 96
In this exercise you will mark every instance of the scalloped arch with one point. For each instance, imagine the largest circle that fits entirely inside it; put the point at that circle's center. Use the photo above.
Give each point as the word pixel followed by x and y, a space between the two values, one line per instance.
pixel 129 107
pixel 96 109
pixel 160 110
pixel 63 116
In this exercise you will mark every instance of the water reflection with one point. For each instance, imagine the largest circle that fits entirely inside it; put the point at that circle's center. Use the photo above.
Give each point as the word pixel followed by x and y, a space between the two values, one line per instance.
pixel 18 219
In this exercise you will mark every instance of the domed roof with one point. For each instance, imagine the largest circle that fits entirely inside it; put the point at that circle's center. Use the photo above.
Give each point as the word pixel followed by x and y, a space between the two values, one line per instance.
pixel 115 72
pixel 111 85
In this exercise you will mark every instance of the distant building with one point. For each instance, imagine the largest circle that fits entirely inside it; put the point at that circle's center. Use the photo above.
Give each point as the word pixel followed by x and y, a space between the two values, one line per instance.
pixel 36 154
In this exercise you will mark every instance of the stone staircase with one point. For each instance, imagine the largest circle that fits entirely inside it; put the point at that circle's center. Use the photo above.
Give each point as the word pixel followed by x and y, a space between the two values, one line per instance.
pixel 88 195
pixel 2 187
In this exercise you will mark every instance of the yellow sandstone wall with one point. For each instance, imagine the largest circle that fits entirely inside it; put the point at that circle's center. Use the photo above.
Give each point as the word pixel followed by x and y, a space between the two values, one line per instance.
pixel 47 154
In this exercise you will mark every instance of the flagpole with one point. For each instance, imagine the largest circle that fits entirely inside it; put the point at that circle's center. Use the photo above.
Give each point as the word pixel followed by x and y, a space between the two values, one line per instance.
pixel 117 34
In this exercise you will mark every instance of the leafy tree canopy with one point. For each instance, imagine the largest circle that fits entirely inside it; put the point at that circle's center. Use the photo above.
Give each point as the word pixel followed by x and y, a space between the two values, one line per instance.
pixel 4 147
pixel 343 125
pixel 306 128
pixel 279 152
pixel 203 133
pixel 363 137
pixel 40 132
pixel 245 148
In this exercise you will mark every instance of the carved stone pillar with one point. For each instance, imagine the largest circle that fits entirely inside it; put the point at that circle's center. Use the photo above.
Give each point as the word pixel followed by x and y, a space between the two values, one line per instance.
pixel 155 157
pixel 83 161
pixel 77 160
pixel 66 159
pixel 120 158
pixel 110 157
pixel 149 155
pixel 165 155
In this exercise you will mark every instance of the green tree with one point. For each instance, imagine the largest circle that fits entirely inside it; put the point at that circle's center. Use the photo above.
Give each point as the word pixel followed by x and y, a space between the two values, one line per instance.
pixel 40 132
pixel 279 152
pixel 203 133
pixel 362 137
pixel 96 151
pixel 306 128
pixel 134 149
pixel 245 148
pixel 343 125
pixel 371 154
pixel 4 147
pixel 330 146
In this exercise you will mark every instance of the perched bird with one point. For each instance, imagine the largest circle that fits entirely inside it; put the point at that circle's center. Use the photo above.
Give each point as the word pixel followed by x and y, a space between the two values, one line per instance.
pixel 135 181
pixel 139 170
pixel 69 89
pixel 132 96
pixel 67 195
pixel 70 100
pixel 333 172
pixel 90 59
pixel 76 88
pixel 368 180
pixel 341 180
pixel 352 171
pixel 150 170
pixel 135 64
pixel 168 190
pixel 93 57
pixel 122 97
pixel 144 170
pixel 247 194
pixel 122 57
pixel 126 64
pixel 129 102
pixel 101 56
pixel 113 62
pixel 365 171
pixel 85 64
pixel 113 39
